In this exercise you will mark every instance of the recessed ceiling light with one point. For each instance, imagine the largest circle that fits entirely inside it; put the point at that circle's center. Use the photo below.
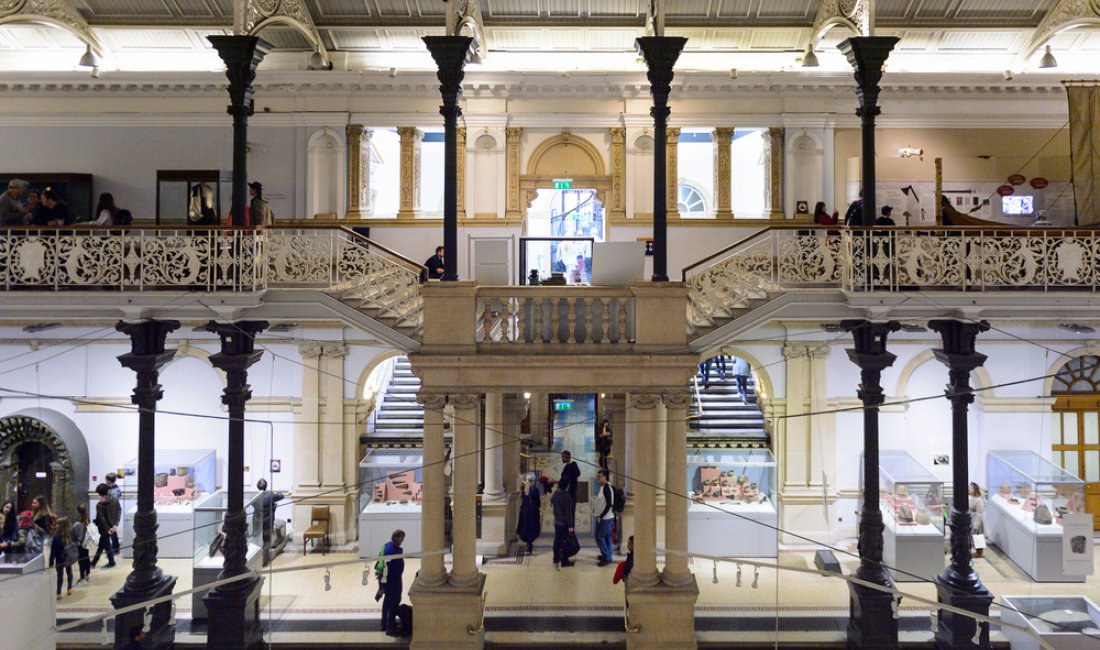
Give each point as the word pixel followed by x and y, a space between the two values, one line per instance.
pixel 1077 329
pixel 41 327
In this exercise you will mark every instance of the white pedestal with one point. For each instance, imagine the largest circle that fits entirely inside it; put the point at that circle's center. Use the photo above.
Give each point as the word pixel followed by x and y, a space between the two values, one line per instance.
pixel 378 521
pixel 27 605
pixel 1035 548
pixel 175 534
pixel 916 549
pixel 1038 605
pixel 712 531
pixel 207 569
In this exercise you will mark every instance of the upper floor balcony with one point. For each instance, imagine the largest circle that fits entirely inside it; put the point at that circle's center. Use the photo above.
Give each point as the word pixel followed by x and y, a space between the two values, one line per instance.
pixel 330 272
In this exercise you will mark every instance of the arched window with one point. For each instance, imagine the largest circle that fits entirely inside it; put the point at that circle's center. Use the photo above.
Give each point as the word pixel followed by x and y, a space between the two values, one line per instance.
pixel 1080 375
pixel 690 201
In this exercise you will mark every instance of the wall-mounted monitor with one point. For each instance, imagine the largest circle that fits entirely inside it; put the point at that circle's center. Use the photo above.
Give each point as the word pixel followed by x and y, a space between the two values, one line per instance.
pixel 1017 204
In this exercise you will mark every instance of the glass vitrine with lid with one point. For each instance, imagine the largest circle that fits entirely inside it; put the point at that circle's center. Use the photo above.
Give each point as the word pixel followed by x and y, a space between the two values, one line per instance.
pixel 732 509
pixel 390 496
pixel 181 478
pixel 913 508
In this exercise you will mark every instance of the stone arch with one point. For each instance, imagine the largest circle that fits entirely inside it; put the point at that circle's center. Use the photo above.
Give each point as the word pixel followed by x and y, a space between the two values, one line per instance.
pixel 759 368
pixel 185 349
pixel 65 440
pixel 564 156
pixel 485 142
pixel 644 142
pixel 364 406
pixel 325 171
pixel 1060 363
pixel 981 376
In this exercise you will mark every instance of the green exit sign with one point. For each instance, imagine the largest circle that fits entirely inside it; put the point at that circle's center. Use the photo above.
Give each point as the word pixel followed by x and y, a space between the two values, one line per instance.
pixel 563 406
pixel 563 183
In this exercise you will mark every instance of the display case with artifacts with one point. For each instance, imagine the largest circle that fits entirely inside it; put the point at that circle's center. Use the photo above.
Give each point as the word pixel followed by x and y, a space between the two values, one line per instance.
pixel 197 197
pixel 912 502
pixel 1028 499
pixel 1061 622
pixel 740 481
pixel 209 542
pixel 181 477
pixel 390 496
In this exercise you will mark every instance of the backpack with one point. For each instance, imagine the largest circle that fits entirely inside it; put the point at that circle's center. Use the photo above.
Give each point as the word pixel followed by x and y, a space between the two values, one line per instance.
pixel 404 620
pixel 380 565
pixel 618 503
pixel 36 541
pixel 91 537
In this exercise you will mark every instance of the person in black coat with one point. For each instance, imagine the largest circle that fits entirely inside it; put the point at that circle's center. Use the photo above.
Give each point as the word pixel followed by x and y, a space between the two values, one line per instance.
pixel 563 523
pixel 435 264
pixel 570 475
pixel 530 516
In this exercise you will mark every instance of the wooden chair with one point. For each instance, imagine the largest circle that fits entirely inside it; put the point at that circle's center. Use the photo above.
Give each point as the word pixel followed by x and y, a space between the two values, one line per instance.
pixel 318 528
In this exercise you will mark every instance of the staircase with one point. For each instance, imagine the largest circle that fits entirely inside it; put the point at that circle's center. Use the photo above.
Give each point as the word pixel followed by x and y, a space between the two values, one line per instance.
pixel 721 419
pixel 399 419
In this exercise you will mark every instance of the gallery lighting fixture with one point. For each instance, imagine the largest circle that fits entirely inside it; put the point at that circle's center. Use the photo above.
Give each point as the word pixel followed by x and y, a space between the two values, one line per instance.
pixel 809 59
pixel 1077 329
pixel 1048 60
pixel 41 327
pixel 317 61
pixel 832 327
pixel 284 327
pixel 89 59
pixel 913 327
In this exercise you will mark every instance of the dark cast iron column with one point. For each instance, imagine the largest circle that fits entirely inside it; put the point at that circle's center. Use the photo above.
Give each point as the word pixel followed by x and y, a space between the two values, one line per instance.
pixel 660 54
pixel 450 53
pixel 234 609
pixel 241 54
pixel 871 623
pixel 146 581
pixel 867 54
pixel 959 584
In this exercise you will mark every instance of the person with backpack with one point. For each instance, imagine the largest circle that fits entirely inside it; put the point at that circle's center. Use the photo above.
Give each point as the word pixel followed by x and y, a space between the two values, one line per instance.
pixel 103 524
pixel 63 553
pixel 389 582
pixel 605 516
pixel 85 542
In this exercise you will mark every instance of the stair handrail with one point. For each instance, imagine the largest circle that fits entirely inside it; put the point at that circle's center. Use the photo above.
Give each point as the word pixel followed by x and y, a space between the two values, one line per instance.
pixel 764 231
pixel 416 267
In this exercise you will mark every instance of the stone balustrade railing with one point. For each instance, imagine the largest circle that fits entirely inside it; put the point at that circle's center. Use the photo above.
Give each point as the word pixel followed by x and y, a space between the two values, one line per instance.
pixel 554 315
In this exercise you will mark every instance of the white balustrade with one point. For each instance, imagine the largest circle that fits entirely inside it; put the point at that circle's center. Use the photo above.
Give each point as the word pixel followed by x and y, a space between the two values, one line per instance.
pixel 555 316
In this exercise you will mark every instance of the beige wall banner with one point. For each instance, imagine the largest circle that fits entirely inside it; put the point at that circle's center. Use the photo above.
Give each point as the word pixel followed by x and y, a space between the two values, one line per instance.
pixel 1084 138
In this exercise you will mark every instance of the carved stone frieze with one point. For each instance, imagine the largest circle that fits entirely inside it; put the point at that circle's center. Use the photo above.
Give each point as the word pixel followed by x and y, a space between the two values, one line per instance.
pixel 410 138
pixel 676 400
pixel 333 350
pixel 645 401
pixel 310 350
pixel 465 400
pixel 432 401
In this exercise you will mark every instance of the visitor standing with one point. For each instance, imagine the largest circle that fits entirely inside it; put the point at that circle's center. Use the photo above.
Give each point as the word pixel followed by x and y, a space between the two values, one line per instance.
pixel 570 476
pixel 435 264
pixel 114 492
pixel 604 441
pixel 83 537
pixel 563 524
pixel 604 511
pixel 259 210
pixel 103 524
pixel 12 210
pixel 63 553
pixel 389 582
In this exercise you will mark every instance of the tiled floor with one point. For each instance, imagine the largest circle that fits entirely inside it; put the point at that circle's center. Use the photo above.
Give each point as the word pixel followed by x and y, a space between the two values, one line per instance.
pixel 580 599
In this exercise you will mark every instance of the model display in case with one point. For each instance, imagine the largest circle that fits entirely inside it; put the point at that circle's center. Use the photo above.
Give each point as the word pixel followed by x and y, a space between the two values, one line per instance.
pixel 740 481
pixel 390 497
pixel 209 541
pixel 912 503
pixel 181 478
pixel 1063 622
pixel 1028 497
pixel 193 196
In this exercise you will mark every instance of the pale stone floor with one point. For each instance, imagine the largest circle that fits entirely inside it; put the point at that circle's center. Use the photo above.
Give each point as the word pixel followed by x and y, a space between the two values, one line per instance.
pixel 531 588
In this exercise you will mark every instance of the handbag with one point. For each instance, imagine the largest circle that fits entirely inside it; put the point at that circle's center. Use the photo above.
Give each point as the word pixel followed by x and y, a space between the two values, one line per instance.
pixel 979 541
pixel 572 545
pixel 71 554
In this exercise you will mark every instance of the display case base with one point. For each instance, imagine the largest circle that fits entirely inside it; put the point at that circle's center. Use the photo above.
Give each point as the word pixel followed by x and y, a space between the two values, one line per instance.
pixel 378 521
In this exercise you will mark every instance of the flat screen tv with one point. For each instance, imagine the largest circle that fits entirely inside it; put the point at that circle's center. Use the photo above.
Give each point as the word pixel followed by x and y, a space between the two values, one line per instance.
pixel 1016 205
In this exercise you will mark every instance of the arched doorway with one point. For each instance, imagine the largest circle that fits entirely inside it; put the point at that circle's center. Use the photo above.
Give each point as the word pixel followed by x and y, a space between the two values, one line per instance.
pixel 43 453
pixel 1076 438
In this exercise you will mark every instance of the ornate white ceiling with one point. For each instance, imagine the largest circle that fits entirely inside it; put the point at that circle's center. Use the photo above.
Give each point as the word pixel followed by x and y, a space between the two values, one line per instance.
pixel 561 35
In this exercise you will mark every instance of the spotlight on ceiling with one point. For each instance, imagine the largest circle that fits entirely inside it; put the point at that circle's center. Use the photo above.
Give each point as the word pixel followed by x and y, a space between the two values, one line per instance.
pixel 809 59
pixel 41 327
pixel 832 327
pixel 1048 60
pixel 89 59
pixel 1008 75
pixel 393 73
pixel 1076 328
pixel 95 72
pixel 317 61
pixel 284 327
pixel 913 327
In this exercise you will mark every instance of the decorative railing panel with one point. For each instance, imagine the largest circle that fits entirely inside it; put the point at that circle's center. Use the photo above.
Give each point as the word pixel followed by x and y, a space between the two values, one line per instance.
pixel 550 316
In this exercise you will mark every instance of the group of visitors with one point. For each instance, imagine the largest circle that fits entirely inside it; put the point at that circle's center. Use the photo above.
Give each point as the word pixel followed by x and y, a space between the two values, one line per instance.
pixel 48 208
pixel 737 367
pixel 67 540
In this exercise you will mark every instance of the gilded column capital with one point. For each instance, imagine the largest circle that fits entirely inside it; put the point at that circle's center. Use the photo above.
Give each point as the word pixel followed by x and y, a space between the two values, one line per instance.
pixel 821 351
pixel 431 401
pixel 645 401
pixel 310 350
pixel 465 400
pixel 334 350
pixel 617 207
pixel 676 400
pixel 409 195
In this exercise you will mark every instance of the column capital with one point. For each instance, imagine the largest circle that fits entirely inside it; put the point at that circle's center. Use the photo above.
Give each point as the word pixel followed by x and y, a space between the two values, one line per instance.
pixel 465 400
pixel 644 401
pixel 432 401
pixel 334 350
pixel 309 350
pixel 147 340
pixel 676 400
pixel 723 133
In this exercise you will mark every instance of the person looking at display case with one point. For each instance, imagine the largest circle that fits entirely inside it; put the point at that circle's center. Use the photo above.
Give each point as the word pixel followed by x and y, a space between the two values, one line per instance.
pixel 268 500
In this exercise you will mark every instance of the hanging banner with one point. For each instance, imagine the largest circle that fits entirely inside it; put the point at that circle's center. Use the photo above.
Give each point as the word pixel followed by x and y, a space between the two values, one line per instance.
pixel 1084 142
pixel 1077 544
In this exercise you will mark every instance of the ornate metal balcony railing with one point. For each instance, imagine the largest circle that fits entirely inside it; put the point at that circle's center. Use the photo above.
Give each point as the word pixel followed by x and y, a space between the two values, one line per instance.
pixel 550 316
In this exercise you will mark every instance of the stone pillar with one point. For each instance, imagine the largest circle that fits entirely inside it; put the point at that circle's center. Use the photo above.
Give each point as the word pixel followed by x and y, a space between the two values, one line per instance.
pixel 643 430
pixel 660 53
pixel 241 54
pixel 432 571
pixel 332 406
pixel 146 581
pixel 464 483
pixel 617 201
pixel 234 609
pixel 513 211
pixel 676 504
pixel 959 584
pixel 871 623
pixel 867 54
pixel 661 426
pixel 358 155
pixel 672 174
pixel 723 173
pixel 307 466
pixel 494 446
pixel 773 168
pixel 409 197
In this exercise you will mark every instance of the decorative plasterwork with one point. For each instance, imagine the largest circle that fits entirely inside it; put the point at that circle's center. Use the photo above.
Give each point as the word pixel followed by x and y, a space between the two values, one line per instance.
pixel 460 142
pixel 58 13
pixel 250 17
pixel 410 138
pixel 356 176
pixel 617 209
pixel 1067 14
pixel 773 166
pixel 723 193
pixel 672 172
pixel 511 163
pixel 464 19
pixel 854 15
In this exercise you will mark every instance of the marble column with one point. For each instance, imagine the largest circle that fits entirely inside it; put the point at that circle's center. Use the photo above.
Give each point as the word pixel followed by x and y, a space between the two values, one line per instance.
pixel 409 194
pixel 432 572
pixel 146 581
pixel 773 170
pixel 494 447
pixel 661 430
pixel 358 155
pixel 723 173
pixel 676 504
pixel 643 430
pixel 464 482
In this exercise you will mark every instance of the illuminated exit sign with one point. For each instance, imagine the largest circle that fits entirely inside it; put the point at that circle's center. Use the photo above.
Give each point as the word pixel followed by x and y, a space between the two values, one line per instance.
pixel 563 406
pixel 563 183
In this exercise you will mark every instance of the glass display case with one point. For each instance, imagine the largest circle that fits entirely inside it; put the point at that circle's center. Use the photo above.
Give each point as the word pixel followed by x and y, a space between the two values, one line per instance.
pixel 193 196
pixel 181 478
pixel 27 603
pixel 557 260
pixel 1028 498
pixel 389 498
pixel 740 481
pixel 1063 622
pixel 913 511
pixel 209 538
